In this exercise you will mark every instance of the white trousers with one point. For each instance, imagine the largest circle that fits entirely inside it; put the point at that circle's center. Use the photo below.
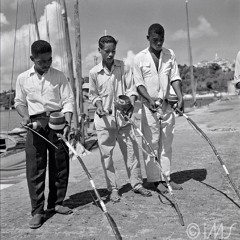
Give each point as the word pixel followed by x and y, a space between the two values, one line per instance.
pixel 107 138
pixel 159 134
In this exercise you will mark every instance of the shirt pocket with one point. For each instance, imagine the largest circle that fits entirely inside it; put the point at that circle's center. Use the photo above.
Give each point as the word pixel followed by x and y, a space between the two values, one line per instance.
pixel 52 93
pixel 32 93
pixel 103 88
pixel 166 68
pixel 146 69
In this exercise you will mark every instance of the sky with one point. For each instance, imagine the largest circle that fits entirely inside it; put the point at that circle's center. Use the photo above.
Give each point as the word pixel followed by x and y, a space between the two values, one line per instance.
pixel 213 24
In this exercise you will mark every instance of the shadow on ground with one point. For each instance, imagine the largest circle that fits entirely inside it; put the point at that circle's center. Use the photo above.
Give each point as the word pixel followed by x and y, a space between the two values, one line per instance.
pixel 84 198
pixel 186 175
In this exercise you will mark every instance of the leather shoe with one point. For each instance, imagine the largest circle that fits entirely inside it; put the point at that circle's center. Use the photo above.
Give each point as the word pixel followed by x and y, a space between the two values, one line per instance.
pixel 36 221
pixel 63 210
pixel 143 191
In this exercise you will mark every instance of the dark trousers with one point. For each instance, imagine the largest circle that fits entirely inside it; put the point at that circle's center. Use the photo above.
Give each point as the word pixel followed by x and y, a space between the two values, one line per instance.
pixel 36 165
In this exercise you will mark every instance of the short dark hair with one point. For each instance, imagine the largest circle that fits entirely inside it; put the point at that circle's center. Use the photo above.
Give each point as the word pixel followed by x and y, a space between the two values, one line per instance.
pixel 40 46
pixel 106 39
pixel 157 28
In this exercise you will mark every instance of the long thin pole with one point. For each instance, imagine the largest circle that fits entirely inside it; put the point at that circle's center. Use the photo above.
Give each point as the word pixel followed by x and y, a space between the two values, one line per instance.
pixel 202 134
pixel 35 20
pixel 193 84
pixel 70 62
pixel 157 161
pixel 26 127
pixel 110 220
pixel 79 95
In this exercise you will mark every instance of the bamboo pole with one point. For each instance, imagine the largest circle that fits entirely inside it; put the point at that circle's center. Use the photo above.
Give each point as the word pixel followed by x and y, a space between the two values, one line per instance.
pixel 79 95
pixel 70 63
pixel 193 83
pixel 35 20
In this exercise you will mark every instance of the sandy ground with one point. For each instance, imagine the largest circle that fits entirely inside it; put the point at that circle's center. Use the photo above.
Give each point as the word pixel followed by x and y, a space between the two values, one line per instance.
pixel 209 206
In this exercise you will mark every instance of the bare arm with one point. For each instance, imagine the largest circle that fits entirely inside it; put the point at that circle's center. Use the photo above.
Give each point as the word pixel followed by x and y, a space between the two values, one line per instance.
pixel 143 92
pixel 177 86
pixel 23 112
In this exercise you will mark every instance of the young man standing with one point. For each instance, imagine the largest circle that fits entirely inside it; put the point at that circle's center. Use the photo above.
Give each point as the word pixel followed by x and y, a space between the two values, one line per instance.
pixel 107 81
pixel 155 75
pixel 40 91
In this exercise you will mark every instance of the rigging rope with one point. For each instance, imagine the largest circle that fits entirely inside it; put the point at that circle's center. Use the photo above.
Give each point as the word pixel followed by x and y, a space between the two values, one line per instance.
pixel 14 49
pixel 63 43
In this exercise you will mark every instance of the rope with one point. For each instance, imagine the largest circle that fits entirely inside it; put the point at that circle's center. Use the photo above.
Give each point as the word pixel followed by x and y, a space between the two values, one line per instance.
pixel 14 49
pixel 61 42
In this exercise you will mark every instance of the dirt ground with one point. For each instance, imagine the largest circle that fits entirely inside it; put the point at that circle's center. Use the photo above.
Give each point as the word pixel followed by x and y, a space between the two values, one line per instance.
pixel 209 206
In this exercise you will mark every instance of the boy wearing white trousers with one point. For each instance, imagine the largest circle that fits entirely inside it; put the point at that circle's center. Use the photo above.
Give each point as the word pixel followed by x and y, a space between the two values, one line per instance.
pixel 156 76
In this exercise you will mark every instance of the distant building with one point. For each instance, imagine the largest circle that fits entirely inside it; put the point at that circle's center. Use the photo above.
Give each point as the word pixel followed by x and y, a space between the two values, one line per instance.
pixel 225 64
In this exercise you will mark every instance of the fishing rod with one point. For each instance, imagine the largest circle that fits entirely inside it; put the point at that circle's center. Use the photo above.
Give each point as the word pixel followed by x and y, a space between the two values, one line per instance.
pixel 36 125
pixel 123 105
pixel 110 220
pixel 172 101
pixel 202 134
pixel 57 122
pixel 170 190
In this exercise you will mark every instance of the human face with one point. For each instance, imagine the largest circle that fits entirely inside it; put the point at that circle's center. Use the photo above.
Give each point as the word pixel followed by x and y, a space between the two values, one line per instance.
pixel 42 62
pixel 108 52
pixel 156 41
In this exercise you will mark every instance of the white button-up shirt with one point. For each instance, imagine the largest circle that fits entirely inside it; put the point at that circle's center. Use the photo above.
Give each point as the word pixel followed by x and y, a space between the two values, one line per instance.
pixel 107 85
pixel 49 92
pixel 156 82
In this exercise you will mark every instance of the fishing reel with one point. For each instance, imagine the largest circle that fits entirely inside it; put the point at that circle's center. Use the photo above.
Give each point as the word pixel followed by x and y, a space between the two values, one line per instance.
pixel 123 104
pixel 172 100
pixel 57 121
pixel 34 125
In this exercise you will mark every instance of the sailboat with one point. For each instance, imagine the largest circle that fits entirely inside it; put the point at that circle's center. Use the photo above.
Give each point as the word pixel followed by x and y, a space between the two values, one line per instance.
pixel 63 60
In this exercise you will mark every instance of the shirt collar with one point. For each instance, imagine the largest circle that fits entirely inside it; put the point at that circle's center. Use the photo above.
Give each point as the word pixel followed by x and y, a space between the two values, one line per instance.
pixel 100 65
pixel 32 71
pixel 164 50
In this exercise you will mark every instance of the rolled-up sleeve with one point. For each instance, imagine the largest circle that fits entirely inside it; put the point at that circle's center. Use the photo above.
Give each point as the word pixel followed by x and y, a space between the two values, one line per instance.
pixel 137 73
pixel 20 98
pixel 129 80
pixel 174 74
pixel 93 92
pixel 67 96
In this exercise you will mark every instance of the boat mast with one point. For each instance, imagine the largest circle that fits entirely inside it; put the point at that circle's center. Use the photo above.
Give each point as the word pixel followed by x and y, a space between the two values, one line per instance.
pixel 35 20
pixel 193 84
pixel 70 63
pixel 79 95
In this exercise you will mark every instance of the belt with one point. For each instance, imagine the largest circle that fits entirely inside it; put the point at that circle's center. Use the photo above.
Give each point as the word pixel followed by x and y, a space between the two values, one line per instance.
pixel 44 114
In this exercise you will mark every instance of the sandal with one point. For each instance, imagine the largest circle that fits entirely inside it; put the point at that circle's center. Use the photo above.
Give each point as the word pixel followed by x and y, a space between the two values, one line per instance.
pixel 114 196
pixel 143 191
